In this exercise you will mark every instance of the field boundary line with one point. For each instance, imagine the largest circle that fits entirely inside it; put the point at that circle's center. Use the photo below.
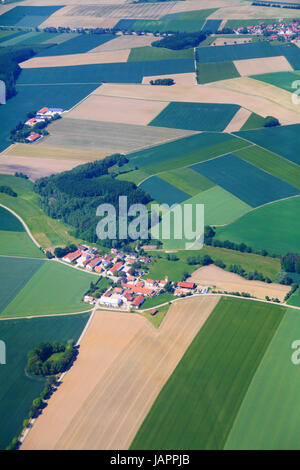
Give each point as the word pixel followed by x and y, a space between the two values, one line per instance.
pixel 191 164
pixel 31 317
pixel 260 146
pixel 23 223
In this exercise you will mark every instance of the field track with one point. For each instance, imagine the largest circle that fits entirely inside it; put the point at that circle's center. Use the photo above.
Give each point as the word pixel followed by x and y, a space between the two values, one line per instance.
pixel 122 366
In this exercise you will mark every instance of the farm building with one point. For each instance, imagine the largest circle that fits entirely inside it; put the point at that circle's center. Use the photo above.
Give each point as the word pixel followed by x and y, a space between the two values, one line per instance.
pixel 186 285
pixel 34 136
pixel 111 301
pixel 137 302
pixel 116 268
pixel 70 257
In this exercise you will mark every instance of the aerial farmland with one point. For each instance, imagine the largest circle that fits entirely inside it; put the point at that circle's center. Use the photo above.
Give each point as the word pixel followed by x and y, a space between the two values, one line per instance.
pixel 137 338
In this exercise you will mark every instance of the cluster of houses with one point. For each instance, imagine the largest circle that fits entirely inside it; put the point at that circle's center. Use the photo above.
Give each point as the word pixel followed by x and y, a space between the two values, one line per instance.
pixel 289 32
pixel 132 289
pixel 43 115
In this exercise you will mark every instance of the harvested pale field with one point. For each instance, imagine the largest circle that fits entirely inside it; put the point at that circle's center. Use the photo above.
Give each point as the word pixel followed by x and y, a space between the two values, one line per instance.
pixel 214 276
pixel 113 109
pixel 237 122
pixel 179 78
pixel 71 2
pixel 250 87
pixel 33 167
pixel 248 12
pixel 56 153
pixel 61 18
pixel 153 11
pixel 230 41
pixel 260 66
pixel 76 59
pixel 192 5
pixel 107 137
pixel 258 97
pixel 125 42
pixel 5 8
pixel 123 364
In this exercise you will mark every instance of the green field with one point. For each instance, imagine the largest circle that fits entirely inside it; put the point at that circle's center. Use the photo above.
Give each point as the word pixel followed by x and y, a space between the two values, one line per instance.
pixel 48 232
pixel 220 206
pixel 138 54
pixel 268 417
pixel 179 22
pixel 157 319
pixel 196 116
pixel 14 241
pixel 295 299
pixel 251 22
pixel 14 275
pixel 272 163
pixel 157 300
pixel 197 407
pixel 215 71
pixel 17 390
pixel 274 227
pixel 255 121
pixel 53 289
pixel 187 180
pixel 282 80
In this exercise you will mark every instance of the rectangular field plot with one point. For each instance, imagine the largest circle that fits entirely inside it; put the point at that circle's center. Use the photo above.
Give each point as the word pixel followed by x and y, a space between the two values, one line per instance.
pixel 196 116
pixel 14 275
pixel 114 109
pixel 141 54
pixel 54 289
pixel 273 164
pixel 268 416
pixel 77 44
pixel 182 150
pixel 187 180
pixel 215 71
pixel 108 137
pixel 245 181
pixel 17 389
pixel 235 52
pixel 130 72
pixel 283 140
pixel 261 66
pixel 274 227
pixel 163 192
pixel 198 405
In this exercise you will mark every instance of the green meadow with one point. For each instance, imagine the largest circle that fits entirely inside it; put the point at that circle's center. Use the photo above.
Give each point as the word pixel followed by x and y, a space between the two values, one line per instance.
pixel 216 71
pixel 138 54
pixel 274 227
pixel 53 289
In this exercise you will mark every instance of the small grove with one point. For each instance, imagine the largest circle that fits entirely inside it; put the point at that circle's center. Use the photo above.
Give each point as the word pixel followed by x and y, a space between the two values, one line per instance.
pixel 50 359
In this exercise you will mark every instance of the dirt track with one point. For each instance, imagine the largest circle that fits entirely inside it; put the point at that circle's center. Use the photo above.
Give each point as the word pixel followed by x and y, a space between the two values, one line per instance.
pixel 230 282
pixel 122 366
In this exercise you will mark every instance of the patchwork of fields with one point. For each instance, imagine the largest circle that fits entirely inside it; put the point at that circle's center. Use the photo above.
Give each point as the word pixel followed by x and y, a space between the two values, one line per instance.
pixel 208 365
pixel 202 414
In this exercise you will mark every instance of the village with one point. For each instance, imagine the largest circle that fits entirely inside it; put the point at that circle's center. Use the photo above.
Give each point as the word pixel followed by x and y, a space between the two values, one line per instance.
pixel 120 268
pixel 286 32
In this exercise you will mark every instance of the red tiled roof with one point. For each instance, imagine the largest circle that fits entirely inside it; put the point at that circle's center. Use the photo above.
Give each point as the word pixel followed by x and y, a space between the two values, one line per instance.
pixel 186 285
pixel 72 256
pixel 138 301
pixel 42 111
pixel 116 267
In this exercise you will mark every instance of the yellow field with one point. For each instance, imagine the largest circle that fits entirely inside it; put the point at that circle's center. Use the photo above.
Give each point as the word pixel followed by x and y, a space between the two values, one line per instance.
pixel 225 281
pixel 123 364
